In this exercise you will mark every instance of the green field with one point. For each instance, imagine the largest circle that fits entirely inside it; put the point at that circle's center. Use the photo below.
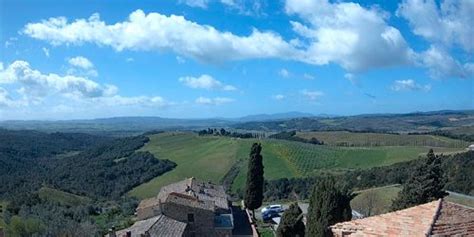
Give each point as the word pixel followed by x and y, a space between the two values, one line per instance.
pixel 211 157
pixel 343 138
pixel 64 198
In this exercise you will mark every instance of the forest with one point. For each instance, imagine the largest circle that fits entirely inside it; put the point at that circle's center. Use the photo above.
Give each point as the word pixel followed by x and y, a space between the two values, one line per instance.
pixel 99 168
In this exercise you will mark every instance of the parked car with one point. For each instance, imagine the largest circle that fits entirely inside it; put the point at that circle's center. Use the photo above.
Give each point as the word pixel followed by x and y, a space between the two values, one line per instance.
pixel 269 214
pixel 277 208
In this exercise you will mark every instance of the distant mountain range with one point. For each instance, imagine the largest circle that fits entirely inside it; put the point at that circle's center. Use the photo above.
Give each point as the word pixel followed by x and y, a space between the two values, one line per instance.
pixel 270 122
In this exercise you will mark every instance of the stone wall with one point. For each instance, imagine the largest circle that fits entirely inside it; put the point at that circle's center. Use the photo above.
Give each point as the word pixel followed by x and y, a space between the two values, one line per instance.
pixel 203 224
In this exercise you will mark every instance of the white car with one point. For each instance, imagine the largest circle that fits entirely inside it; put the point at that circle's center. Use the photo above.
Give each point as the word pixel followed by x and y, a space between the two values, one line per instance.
pixel 276 208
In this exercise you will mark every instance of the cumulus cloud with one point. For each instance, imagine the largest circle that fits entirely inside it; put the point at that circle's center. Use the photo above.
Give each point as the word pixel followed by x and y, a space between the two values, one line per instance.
pixel 81 62
pixel 449 24
pixel 205 82
pixel 213 101
pixel 312 95
pixel 409 85
pixel 346 33
pixel 34 86
pixel 157 32
pixel 441 65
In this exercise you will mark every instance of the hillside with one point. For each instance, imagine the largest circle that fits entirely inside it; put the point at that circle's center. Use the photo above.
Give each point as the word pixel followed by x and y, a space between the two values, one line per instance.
pixel 344 138
pixel 211 158
pixel 412 122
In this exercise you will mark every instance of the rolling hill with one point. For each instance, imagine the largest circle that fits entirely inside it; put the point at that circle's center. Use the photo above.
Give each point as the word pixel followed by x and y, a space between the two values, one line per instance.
pixel 211 158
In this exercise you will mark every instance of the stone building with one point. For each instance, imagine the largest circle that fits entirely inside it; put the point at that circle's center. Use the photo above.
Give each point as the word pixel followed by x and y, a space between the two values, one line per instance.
pixel 437 218
pixel 192 207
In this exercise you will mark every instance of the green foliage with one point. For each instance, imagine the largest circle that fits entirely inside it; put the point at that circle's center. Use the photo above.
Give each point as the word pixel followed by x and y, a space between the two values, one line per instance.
pixel 24 227
pixel 291 136
pixel 425 185
pixel 291 223
pixel 329 204
pixel 254 188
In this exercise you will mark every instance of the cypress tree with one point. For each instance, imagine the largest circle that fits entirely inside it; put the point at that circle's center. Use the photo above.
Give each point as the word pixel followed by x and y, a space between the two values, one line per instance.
pixel 254 189
pixel 425 185
pixel 291 224
pixel 329 204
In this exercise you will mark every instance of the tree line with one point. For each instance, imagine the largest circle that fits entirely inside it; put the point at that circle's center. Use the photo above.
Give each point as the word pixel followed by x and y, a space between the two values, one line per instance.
pixel 291 136
pixel 226 133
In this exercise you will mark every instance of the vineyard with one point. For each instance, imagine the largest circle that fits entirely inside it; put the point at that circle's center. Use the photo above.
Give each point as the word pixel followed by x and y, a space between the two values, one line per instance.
pixel 343 138
pixel 211 157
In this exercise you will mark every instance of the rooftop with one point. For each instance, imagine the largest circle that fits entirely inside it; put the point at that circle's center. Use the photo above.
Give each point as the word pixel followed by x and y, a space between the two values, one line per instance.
pixel 156 226
pixel 203 191
pixel 438 218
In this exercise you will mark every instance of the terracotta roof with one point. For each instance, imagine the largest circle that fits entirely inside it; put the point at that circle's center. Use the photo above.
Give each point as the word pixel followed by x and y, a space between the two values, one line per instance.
pixel 156 226
pixel 187 200
pixel 204 191
pixel 414 221
pixel 454 219
pixel 438 218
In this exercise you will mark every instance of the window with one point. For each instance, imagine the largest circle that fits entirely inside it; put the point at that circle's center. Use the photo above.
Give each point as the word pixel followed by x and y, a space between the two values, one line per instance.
pixel 190 217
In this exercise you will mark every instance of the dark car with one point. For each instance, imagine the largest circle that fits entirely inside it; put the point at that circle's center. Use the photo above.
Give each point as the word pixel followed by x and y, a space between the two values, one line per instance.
pixel 268 215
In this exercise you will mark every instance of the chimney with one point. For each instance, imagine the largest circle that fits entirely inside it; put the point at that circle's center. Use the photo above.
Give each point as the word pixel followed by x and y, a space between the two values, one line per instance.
pixel 112 232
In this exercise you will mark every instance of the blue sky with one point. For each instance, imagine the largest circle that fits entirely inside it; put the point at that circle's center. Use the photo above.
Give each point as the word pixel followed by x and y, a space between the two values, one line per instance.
pixel 230 58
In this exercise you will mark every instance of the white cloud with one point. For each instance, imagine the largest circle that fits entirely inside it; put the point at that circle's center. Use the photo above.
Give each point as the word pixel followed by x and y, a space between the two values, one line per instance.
pixel 284 73
pixel 409 85
pixel 346 33
pixel 308 76
pixel 449 24
pixel 205 82
pixel 154 31
pixel 33 87
pixel 441 65
pixel 81 62
pixel 312 95
pixel 279 97
pixel 81 66
pixel 7 101
pixel 46 51
pixel 195 3
pixel 213 101
pixel 130 60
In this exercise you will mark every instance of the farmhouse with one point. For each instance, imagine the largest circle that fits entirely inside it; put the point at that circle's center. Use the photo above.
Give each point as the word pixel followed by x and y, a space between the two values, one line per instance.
pixel 437 218
pixel 186 208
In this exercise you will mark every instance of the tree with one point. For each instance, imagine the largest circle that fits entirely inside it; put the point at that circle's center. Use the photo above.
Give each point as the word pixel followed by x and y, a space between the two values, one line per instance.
pixel 254 192
pixel 291 224
pixel 329 204
pixel 425 185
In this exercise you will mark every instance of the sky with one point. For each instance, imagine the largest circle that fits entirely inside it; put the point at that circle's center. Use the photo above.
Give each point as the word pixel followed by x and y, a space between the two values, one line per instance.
pixel 62 59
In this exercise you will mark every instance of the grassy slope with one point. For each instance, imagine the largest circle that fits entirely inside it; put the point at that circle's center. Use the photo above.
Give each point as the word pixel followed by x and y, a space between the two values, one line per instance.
pixel 62 197
pixel 209 158
pixel 379 139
